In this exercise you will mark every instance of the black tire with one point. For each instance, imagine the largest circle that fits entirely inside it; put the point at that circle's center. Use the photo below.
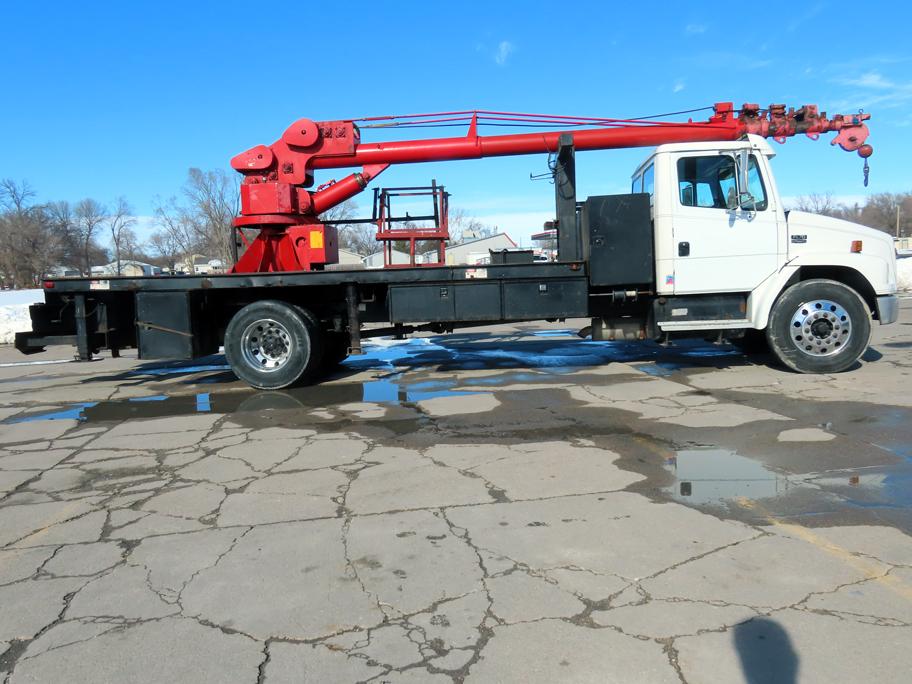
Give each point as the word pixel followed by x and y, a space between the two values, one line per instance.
pixel 819 326
pixel 271 344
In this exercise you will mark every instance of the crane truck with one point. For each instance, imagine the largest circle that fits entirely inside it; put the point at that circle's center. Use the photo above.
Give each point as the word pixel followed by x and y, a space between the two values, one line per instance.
pixel 701 246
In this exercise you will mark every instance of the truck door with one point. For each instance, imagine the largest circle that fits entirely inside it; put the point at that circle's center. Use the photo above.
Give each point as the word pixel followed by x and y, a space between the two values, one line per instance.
pixel 720 247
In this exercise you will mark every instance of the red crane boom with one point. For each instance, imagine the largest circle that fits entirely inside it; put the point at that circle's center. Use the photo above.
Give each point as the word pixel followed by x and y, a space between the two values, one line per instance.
pixel 275 199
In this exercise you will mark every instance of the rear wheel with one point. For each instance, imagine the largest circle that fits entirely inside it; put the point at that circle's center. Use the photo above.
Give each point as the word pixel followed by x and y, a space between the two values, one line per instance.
pixel 271 344
pixel 819 326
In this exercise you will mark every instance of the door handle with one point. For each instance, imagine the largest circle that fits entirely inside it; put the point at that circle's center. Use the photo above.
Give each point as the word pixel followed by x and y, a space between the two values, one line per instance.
pixel 683 249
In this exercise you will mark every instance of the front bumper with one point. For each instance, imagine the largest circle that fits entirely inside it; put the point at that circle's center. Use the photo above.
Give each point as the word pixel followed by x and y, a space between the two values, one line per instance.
pixel 887 309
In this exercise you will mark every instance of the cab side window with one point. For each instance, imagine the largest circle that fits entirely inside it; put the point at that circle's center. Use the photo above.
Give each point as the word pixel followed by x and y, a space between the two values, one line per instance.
pixel 711 182
pixel 649 183
pixel 645 182
pixel 755 184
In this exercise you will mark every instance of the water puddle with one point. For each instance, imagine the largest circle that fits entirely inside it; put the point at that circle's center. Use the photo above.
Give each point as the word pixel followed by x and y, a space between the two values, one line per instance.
pixel 534 356
pixel 718 476
pixel 553 351
pixel 659 369
pixel 386 391
pixel 180 370
pixel 874 487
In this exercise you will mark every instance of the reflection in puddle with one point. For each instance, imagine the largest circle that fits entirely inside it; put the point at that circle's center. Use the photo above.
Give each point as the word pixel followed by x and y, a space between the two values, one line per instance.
pixel 554 351
pixel 553 333
pixel 873 487
pixel 180 370
pixel 719 477
pixel 659 369
pixel 306 398
pixel 715 476
pixel 549 353
pixel 387 392
pixel 71 412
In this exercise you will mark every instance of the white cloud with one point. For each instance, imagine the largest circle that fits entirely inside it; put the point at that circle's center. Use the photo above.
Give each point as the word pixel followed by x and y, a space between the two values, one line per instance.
pixel 678 86
pixel 872 89
pixel 504 50
pixel 872 79
pixel 695 29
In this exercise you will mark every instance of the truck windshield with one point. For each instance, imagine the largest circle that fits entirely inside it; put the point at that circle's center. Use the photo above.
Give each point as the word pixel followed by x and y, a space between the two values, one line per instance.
pixel 711 182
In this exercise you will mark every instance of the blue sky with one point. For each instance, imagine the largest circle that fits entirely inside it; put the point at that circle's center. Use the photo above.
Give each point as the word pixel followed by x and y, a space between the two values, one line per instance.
pixel 109 99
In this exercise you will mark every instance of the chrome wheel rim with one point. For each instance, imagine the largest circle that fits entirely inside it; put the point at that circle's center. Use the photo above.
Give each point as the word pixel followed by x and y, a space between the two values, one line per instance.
pixel 266 345
pixel 820 328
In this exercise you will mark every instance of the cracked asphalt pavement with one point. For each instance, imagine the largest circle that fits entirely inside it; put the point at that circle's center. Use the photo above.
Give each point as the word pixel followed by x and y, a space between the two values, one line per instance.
pixel 508 504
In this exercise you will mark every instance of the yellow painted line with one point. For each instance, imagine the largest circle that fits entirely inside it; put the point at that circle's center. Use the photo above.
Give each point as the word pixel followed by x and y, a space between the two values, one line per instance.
pixel 869 569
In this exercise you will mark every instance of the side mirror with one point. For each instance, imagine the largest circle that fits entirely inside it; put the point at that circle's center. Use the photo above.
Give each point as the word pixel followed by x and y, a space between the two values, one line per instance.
pixel 747 201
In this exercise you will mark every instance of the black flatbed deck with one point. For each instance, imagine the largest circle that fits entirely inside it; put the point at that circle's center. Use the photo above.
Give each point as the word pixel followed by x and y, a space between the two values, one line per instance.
pixel 392 276
pixel 184 317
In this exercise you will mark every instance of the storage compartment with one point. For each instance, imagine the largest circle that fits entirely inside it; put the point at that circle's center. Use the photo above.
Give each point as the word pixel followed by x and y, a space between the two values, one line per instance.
pixel 450 302
pixel 164 326
pixel 620 240
pixel 478 302
pixel 511 256
pixel 422 303
pixel 536 299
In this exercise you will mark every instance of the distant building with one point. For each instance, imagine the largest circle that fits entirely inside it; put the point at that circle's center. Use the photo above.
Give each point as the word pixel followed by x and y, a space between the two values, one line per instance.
pixel 375 260
pixel 200 265
pixel 477 251
pixel 349 257
pixel 63 271
pixel 128 267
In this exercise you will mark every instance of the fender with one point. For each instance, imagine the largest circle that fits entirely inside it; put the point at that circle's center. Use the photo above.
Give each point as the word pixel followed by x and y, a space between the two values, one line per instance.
pixel 872 269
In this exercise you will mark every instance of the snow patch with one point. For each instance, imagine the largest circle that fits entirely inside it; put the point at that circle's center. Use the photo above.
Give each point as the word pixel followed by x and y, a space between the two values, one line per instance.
pixel 14 312
pixel 904 274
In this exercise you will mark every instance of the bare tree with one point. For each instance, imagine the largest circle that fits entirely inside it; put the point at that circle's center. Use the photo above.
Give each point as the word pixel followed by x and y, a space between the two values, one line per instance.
pixel 120 223
pixel 889 212
pixel 165 249
pixel 359 238
pixel 89 216
pixel 213 199
pixel 63 223
pixel 14 197
pixel 180 233
pixel 464 227
pixel 819 204
pixel 130 246
pixel 202 222
pixel 28 244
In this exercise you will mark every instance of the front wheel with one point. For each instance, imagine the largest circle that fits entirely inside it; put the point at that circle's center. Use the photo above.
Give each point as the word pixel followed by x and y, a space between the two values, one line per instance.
pixel 819 326
pixel 271 344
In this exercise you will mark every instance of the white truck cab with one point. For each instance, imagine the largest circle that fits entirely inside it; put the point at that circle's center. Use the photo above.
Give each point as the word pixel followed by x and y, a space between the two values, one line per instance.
pixel 813 283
